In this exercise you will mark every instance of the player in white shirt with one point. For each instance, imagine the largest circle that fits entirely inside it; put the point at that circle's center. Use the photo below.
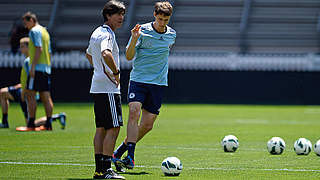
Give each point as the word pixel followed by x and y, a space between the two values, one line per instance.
pixel 103 55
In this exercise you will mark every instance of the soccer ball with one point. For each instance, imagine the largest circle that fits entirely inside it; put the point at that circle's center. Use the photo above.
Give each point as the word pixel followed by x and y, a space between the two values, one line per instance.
pixel 317 147
pixel 230 143
pixel 171 166
pixel 302 146
pixel 276 145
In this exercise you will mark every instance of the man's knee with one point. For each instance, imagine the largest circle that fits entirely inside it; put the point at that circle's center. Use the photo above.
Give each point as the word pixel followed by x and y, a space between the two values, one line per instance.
pixel 30 98
pixel 30 93
pixel 100 132
pixel 45 96
pixel 135 108
pixel 114 131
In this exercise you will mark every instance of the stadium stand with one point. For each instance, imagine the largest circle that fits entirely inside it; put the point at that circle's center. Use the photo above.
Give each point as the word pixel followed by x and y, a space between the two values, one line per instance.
pixel 12 10
pixel 210 32
pixel 207 25
pixel 75 22
pixel 284 26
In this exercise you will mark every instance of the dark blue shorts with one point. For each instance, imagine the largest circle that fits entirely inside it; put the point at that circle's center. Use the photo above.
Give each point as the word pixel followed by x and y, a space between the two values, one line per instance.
pixel 41 82
pixel 150 95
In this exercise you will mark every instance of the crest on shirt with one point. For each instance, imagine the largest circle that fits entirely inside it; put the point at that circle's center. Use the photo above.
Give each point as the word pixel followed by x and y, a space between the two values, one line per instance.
pixel 131 95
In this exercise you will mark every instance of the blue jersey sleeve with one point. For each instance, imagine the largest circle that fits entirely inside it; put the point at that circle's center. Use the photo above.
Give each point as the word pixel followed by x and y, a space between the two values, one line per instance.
pixel 36 37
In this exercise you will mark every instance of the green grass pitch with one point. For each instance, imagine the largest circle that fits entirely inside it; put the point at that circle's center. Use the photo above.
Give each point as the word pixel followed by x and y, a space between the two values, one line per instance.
pixel 190 132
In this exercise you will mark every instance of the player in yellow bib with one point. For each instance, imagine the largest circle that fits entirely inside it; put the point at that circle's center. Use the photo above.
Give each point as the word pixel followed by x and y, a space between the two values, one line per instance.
pixel 38 79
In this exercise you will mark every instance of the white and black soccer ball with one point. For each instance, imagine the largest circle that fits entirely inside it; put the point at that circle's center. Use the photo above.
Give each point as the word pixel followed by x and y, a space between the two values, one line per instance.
pixel 317 147
pixel 230 143
pixel 171 166
pixel 302 146
pixel 276 145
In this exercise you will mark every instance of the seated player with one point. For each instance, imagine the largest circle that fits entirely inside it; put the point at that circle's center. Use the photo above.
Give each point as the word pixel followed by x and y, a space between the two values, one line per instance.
pixel 16 93
pixel 13 93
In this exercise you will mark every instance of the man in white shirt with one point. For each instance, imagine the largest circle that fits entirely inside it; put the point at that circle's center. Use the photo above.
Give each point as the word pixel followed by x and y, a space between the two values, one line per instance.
pixel 103 55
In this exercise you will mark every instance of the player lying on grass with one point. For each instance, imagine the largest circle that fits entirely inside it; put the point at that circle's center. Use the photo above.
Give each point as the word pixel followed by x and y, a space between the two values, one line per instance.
pixel 16 93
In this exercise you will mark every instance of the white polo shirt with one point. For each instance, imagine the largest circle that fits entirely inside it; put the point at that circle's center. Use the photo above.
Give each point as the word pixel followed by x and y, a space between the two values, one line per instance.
pixel 103 38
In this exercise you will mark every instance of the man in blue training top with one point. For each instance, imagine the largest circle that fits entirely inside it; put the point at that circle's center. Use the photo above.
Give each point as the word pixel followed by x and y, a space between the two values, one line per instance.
pixel 150 44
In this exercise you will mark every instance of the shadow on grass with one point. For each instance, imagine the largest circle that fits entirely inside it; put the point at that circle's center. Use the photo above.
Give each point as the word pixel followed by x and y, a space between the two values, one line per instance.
pixel 134 173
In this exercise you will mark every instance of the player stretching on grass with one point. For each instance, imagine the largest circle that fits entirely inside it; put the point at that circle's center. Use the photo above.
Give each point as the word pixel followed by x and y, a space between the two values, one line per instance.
pixel 103 55
pixel 16 93
pixel 150 45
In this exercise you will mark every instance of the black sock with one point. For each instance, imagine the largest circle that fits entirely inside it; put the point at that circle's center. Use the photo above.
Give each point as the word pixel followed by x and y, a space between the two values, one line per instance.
pixel 48 122
pixel 4 118
pixel 131 147
pixel 120 150
pixel 99 161
pixel 31 122
pixel 106 162
pixel 24 108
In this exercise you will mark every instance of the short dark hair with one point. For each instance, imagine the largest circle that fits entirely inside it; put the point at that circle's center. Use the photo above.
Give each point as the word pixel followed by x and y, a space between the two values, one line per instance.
pixel 29 15
pixel 112 7
pixel 163 7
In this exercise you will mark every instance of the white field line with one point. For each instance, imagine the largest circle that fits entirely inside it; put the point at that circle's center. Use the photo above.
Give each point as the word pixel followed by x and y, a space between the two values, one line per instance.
pixel 158 167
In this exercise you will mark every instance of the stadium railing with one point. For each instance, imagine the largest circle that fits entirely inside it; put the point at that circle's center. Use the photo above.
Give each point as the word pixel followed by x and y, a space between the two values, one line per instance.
pixel 218 61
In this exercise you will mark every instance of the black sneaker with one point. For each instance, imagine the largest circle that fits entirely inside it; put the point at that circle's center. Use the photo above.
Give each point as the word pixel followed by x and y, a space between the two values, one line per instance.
pixel 6 125
pixel 127 162
pixel 117 164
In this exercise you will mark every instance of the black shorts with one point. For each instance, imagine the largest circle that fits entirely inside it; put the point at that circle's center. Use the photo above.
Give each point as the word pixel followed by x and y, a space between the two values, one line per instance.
pixel 40 82
pixel 150 95
pixel 107 110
